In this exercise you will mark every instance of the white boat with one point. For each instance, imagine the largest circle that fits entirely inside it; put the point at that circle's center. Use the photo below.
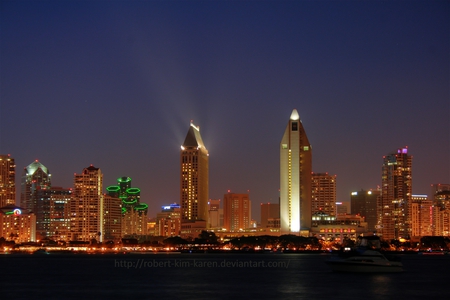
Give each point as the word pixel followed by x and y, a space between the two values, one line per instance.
pixel 366 258
pixel 369 261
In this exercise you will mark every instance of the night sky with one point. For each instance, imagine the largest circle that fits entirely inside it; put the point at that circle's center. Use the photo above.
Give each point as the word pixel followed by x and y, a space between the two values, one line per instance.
pixel 116 83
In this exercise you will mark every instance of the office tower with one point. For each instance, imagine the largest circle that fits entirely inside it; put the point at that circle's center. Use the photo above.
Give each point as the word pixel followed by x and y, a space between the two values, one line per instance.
pixel 35 176
pixel 396 195
pixel 323 193
pixel 295 178
pixel 421 216
pixel 194 177
pixel 364 203
pixel 215 213
pixel 59 223
pixel 134 213
pixel 7 180
pixel 341 208
pixel 17 224
pixel 236 211
pixel 441 210
pixel 112 218
pixel 270 215
pixel 52 210
pixel 168 221
pixel 86 208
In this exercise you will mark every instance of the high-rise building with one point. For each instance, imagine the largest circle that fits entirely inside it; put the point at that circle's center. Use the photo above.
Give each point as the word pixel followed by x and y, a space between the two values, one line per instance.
pixel 341 208
pixel 59 224
pixel 86 209
pixel 421 216
pixel 194 177
pixel 215 213
pixel 295 178
pixel 270 215
pixel 134 213
pixel 168 222
pixel 7 180
pixel 35 176
pixel 17 224
pixel 236 211
pixel 323 190
pixel 364 203
pixel 112 218
pixel 396 192
pixel 441 209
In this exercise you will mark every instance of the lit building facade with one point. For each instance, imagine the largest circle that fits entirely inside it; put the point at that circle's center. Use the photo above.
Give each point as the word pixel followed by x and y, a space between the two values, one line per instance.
pixel 270 215
pixel 112 218
pixel 295 178
pixel 441 212
pixel 323 193
pixel 168 221
pixel 215 213
pixel 236 211
pixel 365 203
pixel 337 228
pixel 59 224
pixel 7 180
pixel 86 209
pixel 134 213
pixel 396 192
pixel 421 216
pixel 194 179
pixel 35 176
pixel 17 224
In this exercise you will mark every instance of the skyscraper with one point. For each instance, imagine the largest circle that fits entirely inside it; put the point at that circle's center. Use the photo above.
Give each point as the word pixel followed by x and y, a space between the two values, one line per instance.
pixel 364 203
pixel 236 211
pixel 86 207
pixel 323 189
pixel 194 177
pixel 396 192
pixel 35 176
pixel 7 180
pixel 421 216
pixel 270 215
pixel 295 178
pixel 134 213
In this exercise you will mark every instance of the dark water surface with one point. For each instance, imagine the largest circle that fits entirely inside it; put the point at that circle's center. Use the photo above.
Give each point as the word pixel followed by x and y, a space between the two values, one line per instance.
pixel 213 276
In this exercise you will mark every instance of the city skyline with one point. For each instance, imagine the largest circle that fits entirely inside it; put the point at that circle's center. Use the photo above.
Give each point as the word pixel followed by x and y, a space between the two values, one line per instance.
pixel 116 85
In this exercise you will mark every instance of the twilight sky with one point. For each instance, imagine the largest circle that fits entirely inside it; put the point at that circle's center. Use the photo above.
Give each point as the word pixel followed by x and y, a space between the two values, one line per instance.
pixel 116 83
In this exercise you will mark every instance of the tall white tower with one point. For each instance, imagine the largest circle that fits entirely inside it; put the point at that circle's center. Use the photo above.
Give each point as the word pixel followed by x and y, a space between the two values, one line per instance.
pixel 295 178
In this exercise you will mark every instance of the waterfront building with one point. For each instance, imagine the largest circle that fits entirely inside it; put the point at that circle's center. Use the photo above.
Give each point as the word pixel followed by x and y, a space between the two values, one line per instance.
pixel 270 215
pixel 236 211
pixel 364 203
pixel 338 228
pixel 17 224
pixel 421 216
pixel 323 193
pixel 168 221
pixel 35 176
pixel 7 180
pixel 86 209
pixel 59 213
pixel 215 213
pixel 396 192
pixel 441 211
pixel 112 218
pixel 341 208
pixel 134 212
pixel 295 178
pixel 194 160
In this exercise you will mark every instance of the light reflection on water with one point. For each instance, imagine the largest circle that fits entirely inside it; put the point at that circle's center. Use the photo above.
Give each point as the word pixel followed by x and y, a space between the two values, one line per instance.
pixel 305 277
